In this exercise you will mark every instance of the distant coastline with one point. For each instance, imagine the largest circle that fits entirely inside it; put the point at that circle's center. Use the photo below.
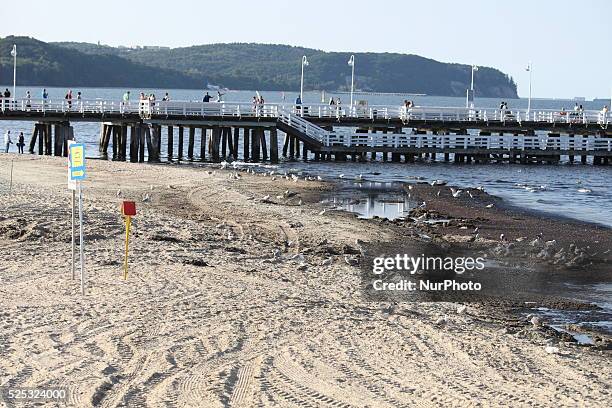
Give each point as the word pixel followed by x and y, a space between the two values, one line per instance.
pixel 266 67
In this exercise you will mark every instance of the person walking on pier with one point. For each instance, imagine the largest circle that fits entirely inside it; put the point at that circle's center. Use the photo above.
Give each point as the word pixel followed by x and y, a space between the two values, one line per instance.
pixel 206 98
pixel 44 95
pixel 166 97
pixel 68 98
pixel 20 143
pixel 7 96
pixel 28 100
pixel 7 141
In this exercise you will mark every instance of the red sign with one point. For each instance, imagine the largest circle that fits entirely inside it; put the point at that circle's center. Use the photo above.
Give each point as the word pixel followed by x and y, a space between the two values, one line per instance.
pixel 128 208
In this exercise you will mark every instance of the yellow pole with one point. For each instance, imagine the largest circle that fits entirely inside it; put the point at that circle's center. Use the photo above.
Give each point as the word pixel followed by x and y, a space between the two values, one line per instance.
pixel 128 221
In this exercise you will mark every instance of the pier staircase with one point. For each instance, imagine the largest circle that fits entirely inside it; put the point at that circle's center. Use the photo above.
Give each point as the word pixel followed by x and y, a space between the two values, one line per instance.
pixel 293 124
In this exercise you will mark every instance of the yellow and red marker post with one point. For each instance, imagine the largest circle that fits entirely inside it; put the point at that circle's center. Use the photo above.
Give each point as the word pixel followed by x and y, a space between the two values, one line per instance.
pixel 128 209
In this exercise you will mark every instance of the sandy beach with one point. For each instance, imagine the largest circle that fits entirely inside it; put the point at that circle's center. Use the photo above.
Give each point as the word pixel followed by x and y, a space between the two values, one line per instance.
pixel 242 293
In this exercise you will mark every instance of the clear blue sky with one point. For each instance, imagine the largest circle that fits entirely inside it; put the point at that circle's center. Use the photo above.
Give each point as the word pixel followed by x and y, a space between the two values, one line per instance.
pixel 569 42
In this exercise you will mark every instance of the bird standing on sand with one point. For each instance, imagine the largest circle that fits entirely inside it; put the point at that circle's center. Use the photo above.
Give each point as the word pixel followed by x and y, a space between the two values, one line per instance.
pixel 146 198
pixel 456 193
pixel 119 193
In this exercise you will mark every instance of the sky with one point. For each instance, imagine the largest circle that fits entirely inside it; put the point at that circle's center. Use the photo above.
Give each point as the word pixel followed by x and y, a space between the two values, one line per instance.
pixel 568 42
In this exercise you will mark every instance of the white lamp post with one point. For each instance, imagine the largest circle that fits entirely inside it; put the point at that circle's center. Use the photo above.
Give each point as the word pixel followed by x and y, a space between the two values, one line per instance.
pixel 529 69
pixel 14 55
pixel 351 62
pixel 470 99
pixel 304 64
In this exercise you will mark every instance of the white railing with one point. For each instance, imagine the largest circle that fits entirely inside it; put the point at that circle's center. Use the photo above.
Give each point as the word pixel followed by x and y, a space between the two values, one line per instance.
pixel 297 122
pixel 461 142
pixel 237 109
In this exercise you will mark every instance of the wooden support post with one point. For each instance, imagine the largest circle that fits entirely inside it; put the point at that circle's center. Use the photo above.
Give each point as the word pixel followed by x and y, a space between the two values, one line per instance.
pixel 41 138
pixel 170 143
pixel 180 143
pixel 134 140
pixel 203 144
pixel 33 140
pixel 48 144
pixel 264 145
pixel 154 152
pixel 297 148
pixel 115 132
pixel 142 135
pixel 124 140
pixel 215 140
pixel 230 143
pixel 57 136
pixel 255 145
pixel 273 146
pixel 236 141
pixel 223 132
pixel 286 144
pixel 291 147
pixel 245 144
pixel 190 143
pixel 304 151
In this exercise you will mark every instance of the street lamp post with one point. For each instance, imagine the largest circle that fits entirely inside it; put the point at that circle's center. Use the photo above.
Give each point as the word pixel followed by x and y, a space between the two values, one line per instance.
pixel 529 69
pixel 351 62
pixel 469 102
pixel 14 55
pixel 304 64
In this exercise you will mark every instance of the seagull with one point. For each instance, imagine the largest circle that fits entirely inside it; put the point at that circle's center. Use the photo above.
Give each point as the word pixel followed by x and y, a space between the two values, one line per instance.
pixel 470 194
pixel 423 205
pixel 455 193
pixel 341 176
pixel 489 205
pixel 119 193
pixel 295 178
pixel 265 198
pixel 476 230
pixel 438 193
pixel 319 178
pixel 359 177
pixel 441 320
pixel 502 237
pixel 461 309
pixel 323 212
pixel 410 187
pixel 146 198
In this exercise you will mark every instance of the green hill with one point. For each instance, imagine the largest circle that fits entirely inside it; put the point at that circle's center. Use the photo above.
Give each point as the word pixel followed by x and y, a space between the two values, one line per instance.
pixel 243 66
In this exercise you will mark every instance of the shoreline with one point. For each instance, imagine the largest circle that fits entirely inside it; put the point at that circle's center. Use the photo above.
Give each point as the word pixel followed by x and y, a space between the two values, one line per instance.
pixel 238 280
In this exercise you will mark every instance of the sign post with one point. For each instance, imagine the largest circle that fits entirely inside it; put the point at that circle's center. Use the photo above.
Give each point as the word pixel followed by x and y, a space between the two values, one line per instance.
pixel 76 173
pixel 128 209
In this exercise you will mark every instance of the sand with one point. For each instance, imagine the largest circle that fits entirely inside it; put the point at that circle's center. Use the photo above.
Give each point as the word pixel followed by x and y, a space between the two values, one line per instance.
pixel 236 300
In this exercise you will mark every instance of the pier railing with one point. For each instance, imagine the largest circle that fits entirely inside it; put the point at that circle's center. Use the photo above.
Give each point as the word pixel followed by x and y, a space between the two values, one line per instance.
pixel 463 142
pixel 149 109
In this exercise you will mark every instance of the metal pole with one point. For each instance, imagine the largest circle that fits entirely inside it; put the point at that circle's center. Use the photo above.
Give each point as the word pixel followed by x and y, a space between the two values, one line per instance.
pixel 472 86
pixel 302 83
pixel 529 100
pixel 14 70
pixel 352 80
pixel 73 237
pixel 81 243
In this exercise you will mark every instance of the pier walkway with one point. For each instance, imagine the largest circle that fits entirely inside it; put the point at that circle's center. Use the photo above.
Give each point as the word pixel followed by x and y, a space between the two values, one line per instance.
pixel 325 130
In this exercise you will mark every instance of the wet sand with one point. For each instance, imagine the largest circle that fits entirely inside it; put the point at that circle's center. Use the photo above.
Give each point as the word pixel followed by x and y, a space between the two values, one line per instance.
pixel 242 292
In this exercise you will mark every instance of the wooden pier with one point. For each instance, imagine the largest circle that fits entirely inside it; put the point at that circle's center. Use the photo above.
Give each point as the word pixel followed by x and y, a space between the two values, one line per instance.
pixel 188 131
